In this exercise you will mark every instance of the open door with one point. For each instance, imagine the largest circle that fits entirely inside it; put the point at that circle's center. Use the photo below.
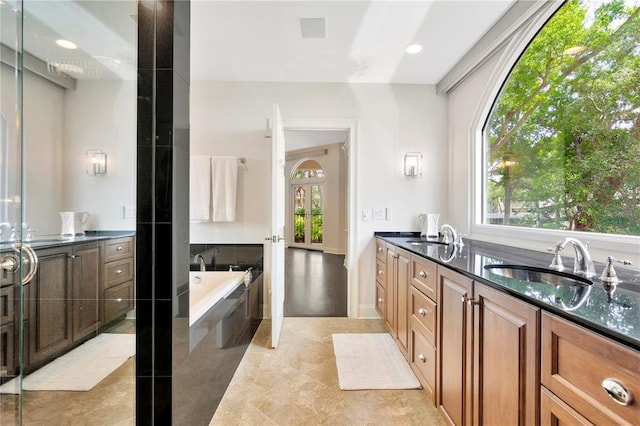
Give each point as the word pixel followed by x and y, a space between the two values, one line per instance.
pixel 277 225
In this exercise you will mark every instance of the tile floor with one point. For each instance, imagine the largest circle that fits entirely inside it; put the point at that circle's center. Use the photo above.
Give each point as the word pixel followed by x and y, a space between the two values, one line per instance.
pixel 110 403
pixel 297 383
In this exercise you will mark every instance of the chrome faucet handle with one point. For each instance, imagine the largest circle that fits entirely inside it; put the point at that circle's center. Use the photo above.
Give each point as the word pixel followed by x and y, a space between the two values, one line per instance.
pixel 609 274
pixel 556 263
pixel 459 242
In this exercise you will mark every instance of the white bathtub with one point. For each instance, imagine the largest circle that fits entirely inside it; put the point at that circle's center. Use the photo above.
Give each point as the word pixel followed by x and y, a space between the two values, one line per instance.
pixel 207 288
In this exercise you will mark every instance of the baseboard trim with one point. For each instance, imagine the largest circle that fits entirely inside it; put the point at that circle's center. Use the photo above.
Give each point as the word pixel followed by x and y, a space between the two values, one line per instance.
pixel 368 312
pixel 330 250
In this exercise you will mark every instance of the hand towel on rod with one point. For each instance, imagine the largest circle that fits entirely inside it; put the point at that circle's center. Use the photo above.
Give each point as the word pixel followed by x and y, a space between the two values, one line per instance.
pixel 224 179
pixel 199 188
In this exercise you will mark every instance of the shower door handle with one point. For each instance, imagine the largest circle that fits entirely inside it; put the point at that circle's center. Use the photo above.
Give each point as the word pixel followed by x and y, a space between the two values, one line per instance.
pixel 11 262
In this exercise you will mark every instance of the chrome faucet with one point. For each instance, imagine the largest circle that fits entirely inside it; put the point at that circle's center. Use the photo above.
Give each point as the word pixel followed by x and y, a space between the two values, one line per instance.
pixel 449 239
pixel 199 259
pixel 583 264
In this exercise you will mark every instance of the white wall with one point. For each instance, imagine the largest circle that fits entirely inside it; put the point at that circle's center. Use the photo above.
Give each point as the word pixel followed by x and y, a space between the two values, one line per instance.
pixel 60 125
pixel 229 118
pixel 43 149
pixel 101 114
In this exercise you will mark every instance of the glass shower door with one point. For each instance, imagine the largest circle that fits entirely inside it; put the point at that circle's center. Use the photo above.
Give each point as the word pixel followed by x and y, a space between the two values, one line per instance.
pixel 14 263
pixel 67 87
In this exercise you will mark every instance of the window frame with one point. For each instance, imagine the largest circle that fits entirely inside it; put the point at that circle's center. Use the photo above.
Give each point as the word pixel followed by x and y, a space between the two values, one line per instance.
pixel 536 238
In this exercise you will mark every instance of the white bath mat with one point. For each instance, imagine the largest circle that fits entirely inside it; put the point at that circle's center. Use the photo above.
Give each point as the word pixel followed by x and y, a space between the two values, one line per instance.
pixel 371 361
pixel 82 368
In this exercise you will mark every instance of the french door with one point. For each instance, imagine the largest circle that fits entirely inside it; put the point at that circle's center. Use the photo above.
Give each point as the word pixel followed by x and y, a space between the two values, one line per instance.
pixel 307 213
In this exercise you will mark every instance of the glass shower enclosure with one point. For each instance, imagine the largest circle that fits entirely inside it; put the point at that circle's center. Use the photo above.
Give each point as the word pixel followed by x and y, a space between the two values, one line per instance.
pixel 67 89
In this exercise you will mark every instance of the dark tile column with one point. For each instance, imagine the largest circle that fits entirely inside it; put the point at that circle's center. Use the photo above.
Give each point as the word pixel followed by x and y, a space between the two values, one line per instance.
pixel 162 188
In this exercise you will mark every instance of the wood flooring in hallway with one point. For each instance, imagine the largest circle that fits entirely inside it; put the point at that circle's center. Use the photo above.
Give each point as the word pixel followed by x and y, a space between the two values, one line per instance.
pixel 315 284
pixel 297 383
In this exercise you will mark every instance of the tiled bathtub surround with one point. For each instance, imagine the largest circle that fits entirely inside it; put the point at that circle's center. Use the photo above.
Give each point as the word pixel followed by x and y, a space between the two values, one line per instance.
pixel 219 257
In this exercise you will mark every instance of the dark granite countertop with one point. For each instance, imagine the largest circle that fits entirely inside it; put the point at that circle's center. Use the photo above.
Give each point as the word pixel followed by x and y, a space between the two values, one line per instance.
pixel 49 241
pixel 613 311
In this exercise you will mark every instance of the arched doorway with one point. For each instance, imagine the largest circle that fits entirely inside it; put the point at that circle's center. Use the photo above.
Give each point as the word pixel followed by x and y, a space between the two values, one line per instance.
pixel 307 205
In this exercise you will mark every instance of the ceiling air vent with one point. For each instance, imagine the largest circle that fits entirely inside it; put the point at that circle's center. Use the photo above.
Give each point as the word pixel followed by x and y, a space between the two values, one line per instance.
pixel 313 27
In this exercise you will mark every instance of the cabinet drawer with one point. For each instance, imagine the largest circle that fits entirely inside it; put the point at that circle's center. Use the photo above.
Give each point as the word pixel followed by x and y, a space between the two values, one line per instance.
pixel 553 411
pixel 118 300
pixel 381 296
pixel 423 361
pixel 118 272
pixel 423 310
pixel 7 303
pixel 424 276
pixel 381 250
pixel 120 248
pixel 381 273
pixel 576 361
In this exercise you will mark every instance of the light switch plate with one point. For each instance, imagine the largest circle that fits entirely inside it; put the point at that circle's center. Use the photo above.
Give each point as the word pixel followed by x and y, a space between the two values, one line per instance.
pixel 366 215
pixel 379 213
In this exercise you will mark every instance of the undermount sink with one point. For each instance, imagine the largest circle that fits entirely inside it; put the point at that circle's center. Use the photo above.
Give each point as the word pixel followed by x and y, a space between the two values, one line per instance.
pixel 537 275
pixel 422 242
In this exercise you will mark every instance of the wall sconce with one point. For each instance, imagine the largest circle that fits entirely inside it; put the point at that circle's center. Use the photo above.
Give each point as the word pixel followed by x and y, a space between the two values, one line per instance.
pixel 96 162
pixel 413 164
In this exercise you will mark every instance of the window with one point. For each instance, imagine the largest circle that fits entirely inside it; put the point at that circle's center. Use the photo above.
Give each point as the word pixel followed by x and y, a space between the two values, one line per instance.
pixel 307 195
pixel 562 142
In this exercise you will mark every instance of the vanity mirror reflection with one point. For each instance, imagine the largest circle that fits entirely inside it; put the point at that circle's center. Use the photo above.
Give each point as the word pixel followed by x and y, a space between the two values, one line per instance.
pixel 68 85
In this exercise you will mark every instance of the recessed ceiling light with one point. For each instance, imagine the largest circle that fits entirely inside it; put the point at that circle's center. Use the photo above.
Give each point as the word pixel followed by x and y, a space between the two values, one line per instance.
pixel 67 44
pixel 413 49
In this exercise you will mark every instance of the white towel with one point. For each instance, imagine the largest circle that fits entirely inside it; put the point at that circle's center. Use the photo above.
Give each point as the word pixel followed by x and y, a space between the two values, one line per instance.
pixel 199 188
pixel 224 180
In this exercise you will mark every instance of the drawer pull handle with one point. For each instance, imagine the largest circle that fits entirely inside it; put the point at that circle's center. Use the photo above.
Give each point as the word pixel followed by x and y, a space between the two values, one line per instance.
pixel 119 299
pixel 617 392
pixel 422 312
pixel 380 300
pixel 380 272
pixel 423 274
pixel 119 248
pixel 422 358
pixel 118 271
pixel 380 249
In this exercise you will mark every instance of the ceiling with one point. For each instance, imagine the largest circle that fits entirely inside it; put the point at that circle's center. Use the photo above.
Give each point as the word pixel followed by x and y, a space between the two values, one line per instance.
pixel 262 41
pixel 105 33
pixel 364 43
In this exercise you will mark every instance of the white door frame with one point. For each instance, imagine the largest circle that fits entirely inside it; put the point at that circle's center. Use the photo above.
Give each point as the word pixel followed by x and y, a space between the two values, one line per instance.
pixel 351 126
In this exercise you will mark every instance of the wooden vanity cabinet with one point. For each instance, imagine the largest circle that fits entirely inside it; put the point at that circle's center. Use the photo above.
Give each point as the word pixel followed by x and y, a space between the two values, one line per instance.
pixel 118 296
pixel 575 364
pixel 423 309
pixel 488 346
pixel 7 329
pixel 86 289
pixel 402 274
pixel 392 291
pixel 50 310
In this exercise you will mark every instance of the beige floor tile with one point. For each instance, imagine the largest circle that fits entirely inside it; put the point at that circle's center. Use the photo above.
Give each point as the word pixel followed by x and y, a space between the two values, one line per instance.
pixel 297 383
